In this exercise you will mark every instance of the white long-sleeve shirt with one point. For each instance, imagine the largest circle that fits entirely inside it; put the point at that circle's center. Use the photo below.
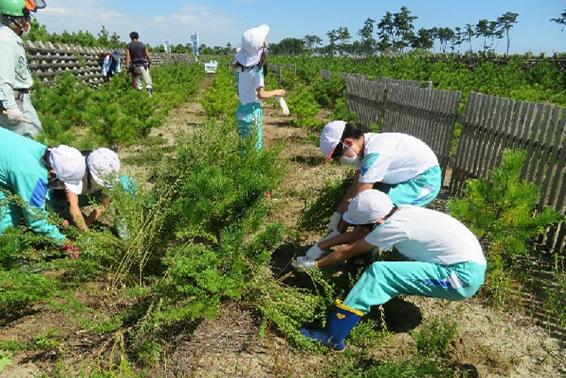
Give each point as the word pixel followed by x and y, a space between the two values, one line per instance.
pixel 14 71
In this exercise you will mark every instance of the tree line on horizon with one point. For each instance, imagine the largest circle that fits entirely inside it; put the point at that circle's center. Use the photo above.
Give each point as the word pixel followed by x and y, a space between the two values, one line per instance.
pixel 393 34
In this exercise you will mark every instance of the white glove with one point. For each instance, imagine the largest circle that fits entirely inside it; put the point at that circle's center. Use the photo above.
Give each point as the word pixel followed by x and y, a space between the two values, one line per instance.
pixel 15 115
pixel 334 222
pixel 283 105
pixel 314 252
pixel 304 263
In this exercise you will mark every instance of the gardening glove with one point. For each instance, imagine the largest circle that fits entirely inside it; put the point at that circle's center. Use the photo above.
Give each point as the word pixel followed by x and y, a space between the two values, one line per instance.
pixel 304 263
pixel 314 253
pixel 334 222
pixel 15 115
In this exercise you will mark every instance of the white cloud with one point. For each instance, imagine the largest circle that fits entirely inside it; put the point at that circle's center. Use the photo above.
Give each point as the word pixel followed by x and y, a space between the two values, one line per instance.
pixel 214 26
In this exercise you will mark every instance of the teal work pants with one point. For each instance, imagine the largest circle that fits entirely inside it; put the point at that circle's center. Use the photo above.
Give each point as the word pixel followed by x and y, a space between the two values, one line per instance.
pixel 384 280
pixel 248 119
pixel 418 191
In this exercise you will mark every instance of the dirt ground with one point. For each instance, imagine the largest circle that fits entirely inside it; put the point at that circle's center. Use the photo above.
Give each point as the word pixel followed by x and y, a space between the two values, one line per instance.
pixel 489 342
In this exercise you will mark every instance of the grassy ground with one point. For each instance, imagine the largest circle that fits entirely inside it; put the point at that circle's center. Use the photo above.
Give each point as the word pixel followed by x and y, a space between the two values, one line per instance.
pixel 75 332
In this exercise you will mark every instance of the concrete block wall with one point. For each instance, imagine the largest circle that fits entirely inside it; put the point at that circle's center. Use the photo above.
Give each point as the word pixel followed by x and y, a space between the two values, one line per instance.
pixel 47 60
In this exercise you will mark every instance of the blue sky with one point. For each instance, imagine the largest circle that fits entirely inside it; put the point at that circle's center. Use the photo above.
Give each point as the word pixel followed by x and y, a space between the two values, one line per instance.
pixel 222 21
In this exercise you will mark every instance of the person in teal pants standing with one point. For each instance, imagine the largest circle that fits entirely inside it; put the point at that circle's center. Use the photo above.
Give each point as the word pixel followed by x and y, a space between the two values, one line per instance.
pixel 28 169
pixel 251 67
pixel 446 260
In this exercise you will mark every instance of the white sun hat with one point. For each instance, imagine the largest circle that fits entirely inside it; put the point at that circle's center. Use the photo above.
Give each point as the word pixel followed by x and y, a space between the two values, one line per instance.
pixel 330 136
pixel 368 207
pixel 69 166
pixel 252 45
pixel 104 166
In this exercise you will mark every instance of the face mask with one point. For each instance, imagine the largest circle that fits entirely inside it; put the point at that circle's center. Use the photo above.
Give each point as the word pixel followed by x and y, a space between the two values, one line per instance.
pixel 353 161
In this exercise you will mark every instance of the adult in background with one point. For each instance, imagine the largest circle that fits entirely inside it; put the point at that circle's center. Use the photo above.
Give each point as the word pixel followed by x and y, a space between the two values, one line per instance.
pixel 16 110
pixel 110 63
pixel 446 260
pixel 28 170
pixel 138 61
pixel 398 164
pixel 251 68
pixel 102 173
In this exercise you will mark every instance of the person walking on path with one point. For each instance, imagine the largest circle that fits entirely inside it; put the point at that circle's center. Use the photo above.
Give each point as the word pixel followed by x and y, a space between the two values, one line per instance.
pixel 398 164
pixel 28 169
pixel 138 62
pixel 16 110
pixel 446 260
pixel 251 67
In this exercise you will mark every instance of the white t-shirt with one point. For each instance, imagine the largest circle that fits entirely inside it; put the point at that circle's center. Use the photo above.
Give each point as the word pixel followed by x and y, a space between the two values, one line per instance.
pixel 248 83
pixel 393 158
pixel 427 235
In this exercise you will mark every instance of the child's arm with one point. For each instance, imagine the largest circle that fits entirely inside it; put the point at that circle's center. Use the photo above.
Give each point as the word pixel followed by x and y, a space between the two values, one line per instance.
pixel 262 94
pixel 75 211
pixel 345 238
pixel 345 253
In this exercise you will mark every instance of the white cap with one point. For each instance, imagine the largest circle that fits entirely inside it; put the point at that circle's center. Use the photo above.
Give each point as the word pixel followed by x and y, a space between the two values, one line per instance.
pixel 368 207
pixel 69 166
pixel 104 166
pixel 252 46
pixel 330 137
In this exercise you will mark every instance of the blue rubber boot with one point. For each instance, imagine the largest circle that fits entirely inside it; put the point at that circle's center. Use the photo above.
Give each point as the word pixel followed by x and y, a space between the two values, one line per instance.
pixel 340 322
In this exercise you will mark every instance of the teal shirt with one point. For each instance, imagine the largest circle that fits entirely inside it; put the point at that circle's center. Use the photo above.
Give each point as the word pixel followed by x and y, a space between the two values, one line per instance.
pixel 23 173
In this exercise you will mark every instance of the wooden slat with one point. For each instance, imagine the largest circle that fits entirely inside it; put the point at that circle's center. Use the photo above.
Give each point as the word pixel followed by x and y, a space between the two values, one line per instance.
pixel 492 124
pixel 428 114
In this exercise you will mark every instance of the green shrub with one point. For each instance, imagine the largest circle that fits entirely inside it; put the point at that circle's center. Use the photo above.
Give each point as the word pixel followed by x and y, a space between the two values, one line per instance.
pixel 201 229
pixel 221 99
pixel 303 106
pixel 317 213
pixel 362 365
pixel 19 289
pixel 328 91
pixel 368 334
pixel 114 114
pixel 433 338
pixel 501 210
pixel 342 112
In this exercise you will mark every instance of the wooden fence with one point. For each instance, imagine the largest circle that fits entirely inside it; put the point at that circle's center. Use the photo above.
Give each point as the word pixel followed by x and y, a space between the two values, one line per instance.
pixel 365 98
pixel 411 107
pixel 492 124
pixel 428 114
pixel 277 70
pixel 47 60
